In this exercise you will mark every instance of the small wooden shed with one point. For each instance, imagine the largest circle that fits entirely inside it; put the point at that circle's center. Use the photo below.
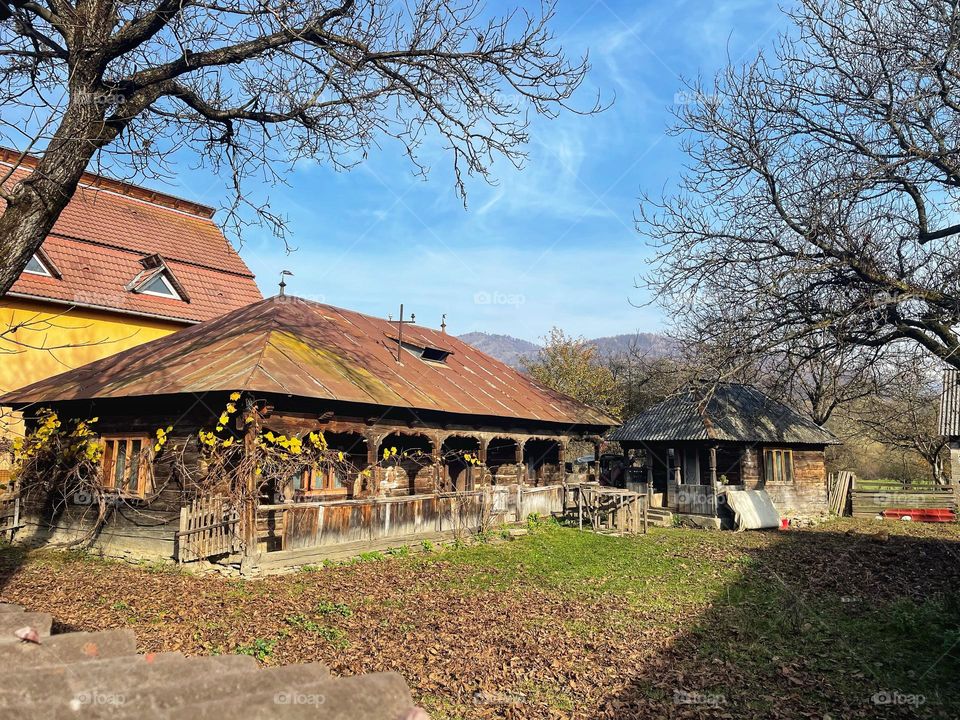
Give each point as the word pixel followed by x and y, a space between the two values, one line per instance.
pixel 709 438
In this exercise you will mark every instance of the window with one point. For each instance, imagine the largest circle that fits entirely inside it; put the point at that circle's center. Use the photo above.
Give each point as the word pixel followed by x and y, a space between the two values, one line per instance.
pixel 36 266
pixel 322 480
pixel 126 465
pixel 430 354
pixel 160 286
pixel 778 466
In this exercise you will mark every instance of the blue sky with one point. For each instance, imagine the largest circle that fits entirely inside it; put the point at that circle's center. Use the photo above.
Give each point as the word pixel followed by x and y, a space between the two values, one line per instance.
pixel 552 244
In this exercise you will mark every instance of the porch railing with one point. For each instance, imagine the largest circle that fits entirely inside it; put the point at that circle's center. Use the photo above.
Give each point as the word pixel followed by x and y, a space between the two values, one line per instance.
pixel 324 523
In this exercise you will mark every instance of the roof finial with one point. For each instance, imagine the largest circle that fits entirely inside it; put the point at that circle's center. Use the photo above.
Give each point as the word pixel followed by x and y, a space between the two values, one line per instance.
pixel 443 324
pixel 282 283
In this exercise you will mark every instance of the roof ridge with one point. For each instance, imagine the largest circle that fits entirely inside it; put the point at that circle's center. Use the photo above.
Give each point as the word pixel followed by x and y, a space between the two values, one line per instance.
pixel 416 326
pixel 160 198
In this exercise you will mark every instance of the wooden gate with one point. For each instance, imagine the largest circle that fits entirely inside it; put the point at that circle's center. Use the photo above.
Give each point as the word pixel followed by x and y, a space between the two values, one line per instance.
pixel 208 527
pixel 697 500
pixel 9 516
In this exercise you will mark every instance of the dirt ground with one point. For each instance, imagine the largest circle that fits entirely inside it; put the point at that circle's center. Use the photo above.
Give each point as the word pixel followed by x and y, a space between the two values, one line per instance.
pixel 850 619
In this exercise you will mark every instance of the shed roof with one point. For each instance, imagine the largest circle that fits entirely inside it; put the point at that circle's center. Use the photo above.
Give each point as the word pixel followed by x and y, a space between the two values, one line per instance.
pixel 950 404
pixel 729 412
pixel 290 346
pixel 108 229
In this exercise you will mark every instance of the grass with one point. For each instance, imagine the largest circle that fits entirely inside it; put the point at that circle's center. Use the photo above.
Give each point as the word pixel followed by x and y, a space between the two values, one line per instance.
pixel 828 621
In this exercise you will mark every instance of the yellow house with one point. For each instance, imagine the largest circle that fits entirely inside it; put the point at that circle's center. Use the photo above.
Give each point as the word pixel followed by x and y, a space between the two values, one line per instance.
pixel 122 266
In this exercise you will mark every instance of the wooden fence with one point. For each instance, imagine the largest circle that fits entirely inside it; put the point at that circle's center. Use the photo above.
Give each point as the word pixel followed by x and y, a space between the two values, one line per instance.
pixel 871 497
pixel 9 516
pixel 321 524
pixel 611 510
pixel 208 527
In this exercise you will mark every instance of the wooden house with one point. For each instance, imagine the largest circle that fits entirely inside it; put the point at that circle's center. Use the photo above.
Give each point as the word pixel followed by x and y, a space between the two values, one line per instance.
pixel 453 422
pixel 949 420
pixel 123 265
pixel 699 442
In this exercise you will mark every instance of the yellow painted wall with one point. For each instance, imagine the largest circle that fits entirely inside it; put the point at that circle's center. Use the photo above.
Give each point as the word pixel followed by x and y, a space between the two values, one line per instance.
pixel 52 339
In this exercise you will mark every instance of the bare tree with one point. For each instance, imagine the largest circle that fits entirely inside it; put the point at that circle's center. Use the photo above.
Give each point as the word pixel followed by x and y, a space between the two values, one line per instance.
pixel 571 365
pixel 252 87
pixel 819 377
pixel 644 378
pixel 905 415
pixel 823 188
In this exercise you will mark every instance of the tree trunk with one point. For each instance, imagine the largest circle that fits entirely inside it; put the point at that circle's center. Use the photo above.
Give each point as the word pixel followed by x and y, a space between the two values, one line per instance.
pixel 35 203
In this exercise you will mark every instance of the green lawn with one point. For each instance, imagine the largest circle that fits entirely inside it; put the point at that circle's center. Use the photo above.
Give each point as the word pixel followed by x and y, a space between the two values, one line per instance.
pixel 849 619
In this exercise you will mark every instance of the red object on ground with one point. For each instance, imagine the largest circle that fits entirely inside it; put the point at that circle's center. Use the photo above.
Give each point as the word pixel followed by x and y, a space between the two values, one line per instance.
pixel 784 523
pixel 921 514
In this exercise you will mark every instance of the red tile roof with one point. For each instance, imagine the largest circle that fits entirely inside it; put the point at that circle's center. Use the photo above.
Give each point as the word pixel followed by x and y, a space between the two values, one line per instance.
pixel 285 345
pixel 105 231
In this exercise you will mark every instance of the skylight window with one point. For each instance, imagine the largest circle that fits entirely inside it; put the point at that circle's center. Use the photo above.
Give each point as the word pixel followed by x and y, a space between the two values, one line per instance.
pixel 36 267
pixel 430 354
pixel 159 285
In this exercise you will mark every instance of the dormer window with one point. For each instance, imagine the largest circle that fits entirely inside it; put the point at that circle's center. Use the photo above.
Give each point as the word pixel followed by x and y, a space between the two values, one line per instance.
pixel 36 266
pixel 158 280
pixel 41 264
pixel 160 286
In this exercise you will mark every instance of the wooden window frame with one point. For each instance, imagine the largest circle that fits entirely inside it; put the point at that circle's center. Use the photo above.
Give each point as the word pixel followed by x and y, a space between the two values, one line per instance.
pixel 327 485
pixel 144 485
pixel 785 467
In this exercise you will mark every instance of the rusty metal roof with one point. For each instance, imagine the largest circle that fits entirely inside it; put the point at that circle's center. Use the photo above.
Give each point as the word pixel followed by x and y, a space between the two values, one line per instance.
pixel 291 346
pixel 726 412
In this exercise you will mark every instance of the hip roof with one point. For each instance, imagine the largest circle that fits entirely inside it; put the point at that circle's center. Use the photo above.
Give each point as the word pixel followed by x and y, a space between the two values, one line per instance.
pixel 290 346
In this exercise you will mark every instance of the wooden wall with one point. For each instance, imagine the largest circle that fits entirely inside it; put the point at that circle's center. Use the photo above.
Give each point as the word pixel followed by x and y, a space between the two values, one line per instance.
pixel 806 495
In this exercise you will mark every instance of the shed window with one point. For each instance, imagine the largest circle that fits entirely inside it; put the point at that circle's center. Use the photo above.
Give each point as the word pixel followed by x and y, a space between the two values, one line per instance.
pixel 126 465
pixel 778 465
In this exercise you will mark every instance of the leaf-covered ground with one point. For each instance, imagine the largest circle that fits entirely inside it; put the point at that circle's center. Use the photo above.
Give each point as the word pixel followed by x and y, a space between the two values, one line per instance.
pixel 846 620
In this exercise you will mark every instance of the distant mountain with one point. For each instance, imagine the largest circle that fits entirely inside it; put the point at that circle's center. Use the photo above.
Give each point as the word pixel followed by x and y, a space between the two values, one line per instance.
pixel 510 349
pixel 503 347
pixel 644 343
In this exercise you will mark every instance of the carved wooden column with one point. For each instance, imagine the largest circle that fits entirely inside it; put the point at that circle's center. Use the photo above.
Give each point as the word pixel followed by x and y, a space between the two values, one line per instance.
pixel 521 467
pixel 713 465
pixel 485 477
pixel 373 463
pixel 249 509
pixel 596 460
pixel 561 464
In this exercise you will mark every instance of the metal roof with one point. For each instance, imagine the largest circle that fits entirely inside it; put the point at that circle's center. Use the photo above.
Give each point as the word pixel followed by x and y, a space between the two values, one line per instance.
pixel 291 346
pixel 950 404
pixel 727 412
